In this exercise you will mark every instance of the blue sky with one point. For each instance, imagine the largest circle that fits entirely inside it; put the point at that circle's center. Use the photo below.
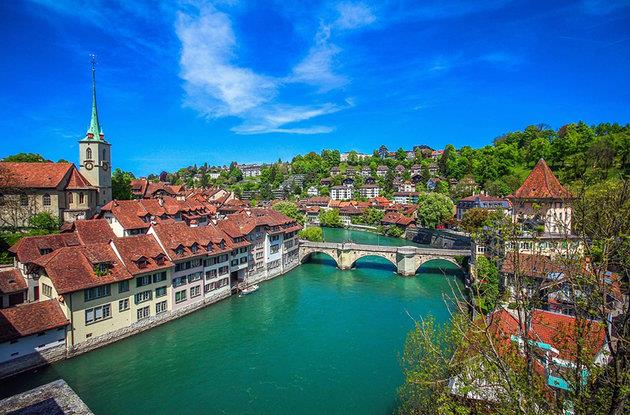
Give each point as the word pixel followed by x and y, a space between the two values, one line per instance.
pixel 199 81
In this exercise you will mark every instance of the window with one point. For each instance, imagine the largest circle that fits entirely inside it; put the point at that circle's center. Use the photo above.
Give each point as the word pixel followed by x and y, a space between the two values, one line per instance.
pixel 47 290
pixel 160 307
pixel 143 296
pixel 24 199
pixel 243 250
pixel 97 292
pixel 259 255
pixel 179 281
pixel 160 260
pixel 275 248
pixel 222 258
pixel 194 291
pixel 194 248
pixel 195 277
pixel 208 287
pixel 123 286
pixel 196 263
pixel 211 274
pixel 234 262
pixel 243 260
pixel 143 313
pixel 46 199
pixel 81 198
pixel 223 282
pixel 179 251
pixel 123 304
pixel 160 291
pixel 223 270
pixel 159 277
pixel 88 154
pixel 180 296
pixel 92 315
pixel 143 280
pixel 1 199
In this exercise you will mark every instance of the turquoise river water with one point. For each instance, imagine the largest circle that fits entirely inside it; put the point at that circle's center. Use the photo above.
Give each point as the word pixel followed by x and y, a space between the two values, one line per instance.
pixel 314 341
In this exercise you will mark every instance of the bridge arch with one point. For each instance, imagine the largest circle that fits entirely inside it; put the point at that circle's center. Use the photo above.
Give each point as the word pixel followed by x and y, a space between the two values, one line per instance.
pixel 424 263
pixel 307 256
pixel 388 258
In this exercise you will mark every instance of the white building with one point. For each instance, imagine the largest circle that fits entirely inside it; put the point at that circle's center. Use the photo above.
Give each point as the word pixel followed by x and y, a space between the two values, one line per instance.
pixel 370 190
pixel 341 192
pixel 251 170
pixel 312 191
pixel 404 198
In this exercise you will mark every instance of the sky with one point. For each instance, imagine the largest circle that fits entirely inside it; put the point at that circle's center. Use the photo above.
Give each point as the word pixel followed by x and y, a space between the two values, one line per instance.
pixel 189 82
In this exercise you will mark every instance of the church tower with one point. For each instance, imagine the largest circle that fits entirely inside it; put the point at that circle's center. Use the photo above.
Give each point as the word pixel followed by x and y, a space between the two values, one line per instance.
pixel 95 154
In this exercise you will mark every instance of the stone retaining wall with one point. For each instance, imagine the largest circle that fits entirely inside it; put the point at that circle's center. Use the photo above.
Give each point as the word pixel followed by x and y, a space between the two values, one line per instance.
pixel 57 353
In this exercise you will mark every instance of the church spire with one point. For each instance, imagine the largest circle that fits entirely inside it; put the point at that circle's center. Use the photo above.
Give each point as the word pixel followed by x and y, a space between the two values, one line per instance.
pixel 94 132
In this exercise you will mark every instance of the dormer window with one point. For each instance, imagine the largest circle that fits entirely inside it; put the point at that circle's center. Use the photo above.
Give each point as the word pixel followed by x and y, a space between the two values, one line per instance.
pixel 194 248
pixel 209 247
pixel 102 268
pixel 179 250
pixel 142 262
pixel 222 244
pixel 44 251
pixel 159 259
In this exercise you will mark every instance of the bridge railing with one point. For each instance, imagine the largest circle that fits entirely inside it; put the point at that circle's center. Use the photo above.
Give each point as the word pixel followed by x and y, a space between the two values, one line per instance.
pixel 408 249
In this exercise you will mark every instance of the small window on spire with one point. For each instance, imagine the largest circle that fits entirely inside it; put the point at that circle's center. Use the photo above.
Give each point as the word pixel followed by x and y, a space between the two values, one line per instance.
pixel 88 154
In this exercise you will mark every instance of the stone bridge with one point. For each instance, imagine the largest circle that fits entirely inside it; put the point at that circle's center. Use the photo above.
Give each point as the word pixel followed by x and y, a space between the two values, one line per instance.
pixel 407 259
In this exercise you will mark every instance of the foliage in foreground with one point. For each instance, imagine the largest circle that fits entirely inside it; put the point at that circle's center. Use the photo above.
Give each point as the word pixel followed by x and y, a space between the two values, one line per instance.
pixel 289 209
pixel 330 218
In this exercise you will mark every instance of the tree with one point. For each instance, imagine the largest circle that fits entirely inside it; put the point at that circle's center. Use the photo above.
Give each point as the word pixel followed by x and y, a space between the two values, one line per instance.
pixel 44 221
pixel 121 185
pixel 291 210
pixel 25 158
pixel 487 287
pixel 434 209
pixel 312 233
pixel 474 219
pixel 330 218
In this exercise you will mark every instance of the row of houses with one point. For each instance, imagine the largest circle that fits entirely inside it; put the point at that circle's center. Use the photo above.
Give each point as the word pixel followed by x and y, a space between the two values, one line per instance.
pixel 91 282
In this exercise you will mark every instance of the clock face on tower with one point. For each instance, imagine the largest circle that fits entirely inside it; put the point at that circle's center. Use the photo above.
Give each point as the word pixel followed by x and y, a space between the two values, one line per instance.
pixel 105 165
pixel 89 165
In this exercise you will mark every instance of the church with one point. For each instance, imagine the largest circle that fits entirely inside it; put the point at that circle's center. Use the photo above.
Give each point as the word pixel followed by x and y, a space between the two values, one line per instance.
pixel 61 189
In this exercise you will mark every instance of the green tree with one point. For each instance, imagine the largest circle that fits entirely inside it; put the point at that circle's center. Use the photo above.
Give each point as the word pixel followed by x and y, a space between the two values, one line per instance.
pixel 474 219
pixel 44 221
pixel 25 158
pixel 330 218
pixel 312 233
pixel 487 284
pixel 291 210
pixel 121 185
pixel 434 209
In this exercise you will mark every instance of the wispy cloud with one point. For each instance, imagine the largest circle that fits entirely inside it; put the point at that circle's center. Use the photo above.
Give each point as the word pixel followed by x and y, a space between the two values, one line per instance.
pixel 216 85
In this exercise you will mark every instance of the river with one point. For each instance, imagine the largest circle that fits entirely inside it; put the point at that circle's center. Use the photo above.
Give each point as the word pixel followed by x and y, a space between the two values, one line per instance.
pixel 314 341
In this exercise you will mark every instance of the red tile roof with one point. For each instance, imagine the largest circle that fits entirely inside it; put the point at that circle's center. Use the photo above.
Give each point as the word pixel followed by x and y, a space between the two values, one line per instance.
pixel 33 175
pixel 72 268
pixel 178 234
pixel 76 181
pixel 30 318
pixel 554 329
pixel 31 247
pixel 92 231
pixel 11 281
pixel 136 214
pixel 396 219
pixel 132 249
pixel 541 184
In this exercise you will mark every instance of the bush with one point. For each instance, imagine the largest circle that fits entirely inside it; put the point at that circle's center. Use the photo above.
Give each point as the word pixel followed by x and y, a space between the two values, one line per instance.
pixel 312 233
pixel 395 231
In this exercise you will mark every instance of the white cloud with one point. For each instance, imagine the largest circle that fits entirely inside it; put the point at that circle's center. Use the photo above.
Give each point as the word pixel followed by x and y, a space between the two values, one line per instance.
pixel 317 67
pixel 214 85
pixel 354 15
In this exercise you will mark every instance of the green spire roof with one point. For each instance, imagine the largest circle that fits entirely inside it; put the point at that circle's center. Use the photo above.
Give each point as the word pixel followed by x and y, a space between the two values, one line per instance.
pixel 94 132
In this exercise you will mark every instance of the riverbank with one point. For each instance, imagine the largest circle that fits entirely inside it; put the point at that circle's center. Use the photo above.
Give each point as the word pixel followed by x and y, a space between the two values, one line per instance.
pixel 61 352
pixel 318 340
